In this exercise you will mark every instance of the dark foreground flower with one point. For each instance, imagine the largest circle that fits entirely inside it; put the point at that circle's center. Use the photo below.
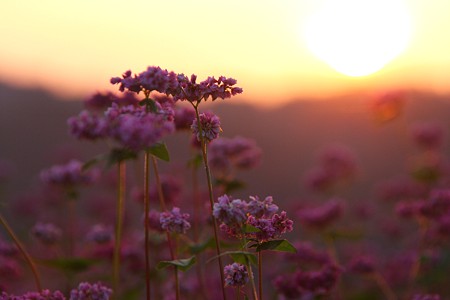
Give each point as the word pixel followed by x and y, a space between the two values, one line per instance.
pixel 87 291
pixel 235 275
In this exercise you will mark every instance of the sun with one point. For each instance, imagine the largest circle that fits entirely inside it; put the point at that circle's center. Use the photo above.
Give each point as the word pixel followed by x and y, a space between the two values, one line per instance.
pixel 358 37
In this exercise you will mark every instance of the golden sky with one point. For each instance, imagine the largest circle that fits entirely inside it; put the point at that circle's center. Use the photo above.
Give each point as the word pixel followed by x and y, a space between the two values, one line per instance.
pixel 74 47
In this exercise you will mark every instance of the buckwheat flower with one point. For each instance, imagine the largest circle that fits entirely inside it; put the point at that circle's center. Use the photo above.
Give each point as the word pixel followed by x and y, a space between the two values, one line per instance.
pixel 47 233
pixel 235 275
pixel 183 118
pixel 174 221
pixel 100 234
pixel 171 189
pixel 210 124
pixel 438 204
pixel 427 135
pixel 362 264
pixel 88 126
pixel 192 91
pixel 140 132
pixel 287 286
pixel 87 291
pixel 426 297
pixel 319 282
pixel 271 228
pixel 154 221
pixel 128 82
pixel 8 249
pixel 321 216
pixel 339 160
pixel 68 174
pixel 231 212
pixel 258 208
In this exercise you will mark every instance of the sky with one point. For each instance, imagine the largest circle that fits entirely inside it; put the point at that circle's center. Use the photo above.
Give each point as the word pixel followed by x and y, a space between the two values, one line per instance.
pixel 73 48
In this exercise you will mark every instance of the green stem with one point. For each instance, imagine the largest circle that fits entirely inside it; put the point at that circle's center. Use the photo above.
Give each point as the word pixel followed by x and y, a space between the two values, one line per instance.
pixel 146 222
pixel 24 253
pixel 250 272
pixel 211 197
pixel 119 224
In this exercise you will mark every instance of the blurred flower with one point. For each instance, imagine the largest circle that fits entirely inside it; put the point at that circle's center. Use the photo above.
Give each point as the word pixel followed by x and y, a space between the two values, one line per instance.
pixel 319 282
pixel 88 126
pixel 184 117
pixel 171 189
pixel 100 234
pixel 174 221
pixel 307 254
pixel 437 204
pixel 427 135
pixel 9 269
pixel 287 286
pixel 388 105
pixel 426 297
pixel 235 275
pixel 68 174
pixel 400 189
pixel 87 291
pixel 362 264
pixel 321 216
pixel 47 233
pixel 210 125
pixel 154 221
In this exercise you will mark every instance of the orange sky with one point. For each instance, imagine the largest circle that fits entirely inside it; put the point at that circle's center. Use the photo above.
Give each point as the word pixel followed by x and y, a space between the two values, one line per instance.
pixel 73 48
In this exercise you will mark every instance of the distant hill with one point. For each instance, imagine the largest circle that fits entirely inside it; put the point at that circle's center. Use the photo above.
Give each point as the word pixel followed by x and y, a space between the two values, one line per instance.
pixel 34 135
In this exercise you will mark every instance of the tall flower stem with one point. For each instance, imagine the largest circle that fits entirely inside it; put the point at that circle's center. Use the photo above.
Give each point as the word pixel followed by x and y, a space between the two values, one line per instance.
pixel 162 203
pixel 146 222
pixel 260 274
pixel 211 197
pixel 250 272
pixel 119 225
pixel 24 253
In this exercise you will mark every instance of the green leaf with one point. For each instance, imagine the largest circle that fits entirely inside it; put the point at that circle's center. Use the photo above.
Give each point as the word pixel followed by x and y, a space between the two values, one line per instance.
pixel 276 245
pixel 120 154
pixel 198 248
pixel 69 264
pixel 160 151
pixel 181 264
pixel 150 105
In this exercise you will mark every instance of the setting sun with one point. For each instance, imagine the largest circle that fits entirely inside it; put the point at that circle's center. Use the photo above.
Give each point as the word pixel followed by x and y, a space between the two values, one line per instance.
pixel 358 37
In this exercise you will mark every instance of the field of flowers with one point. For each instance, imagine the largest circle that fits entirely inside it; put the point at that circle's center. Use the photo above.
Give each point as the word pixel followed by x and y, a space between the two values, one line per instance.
pixel 117 227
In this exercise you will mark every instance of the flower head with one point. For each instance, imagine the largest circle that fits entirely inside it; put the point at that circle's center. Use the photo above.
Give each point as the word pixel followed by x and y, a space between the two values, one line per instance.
pixel 210 127
pixel 47 233
pixel 230 211
pixel 321 216
pixel 100 234
pixel 235 275
pixel 87 291
pixel 174 221
pixel 68 174
pixel 88 126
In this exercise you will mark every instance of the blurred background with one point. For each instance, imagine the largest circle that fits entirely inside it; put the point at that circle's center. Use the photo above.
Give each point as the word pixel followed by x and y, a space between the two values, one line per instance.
pixel 312 73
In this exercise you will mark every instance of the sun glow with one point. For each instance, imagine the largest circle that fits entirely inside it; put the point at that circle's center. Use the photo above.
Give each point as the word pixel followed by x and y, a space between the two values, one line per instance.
pixel 358 37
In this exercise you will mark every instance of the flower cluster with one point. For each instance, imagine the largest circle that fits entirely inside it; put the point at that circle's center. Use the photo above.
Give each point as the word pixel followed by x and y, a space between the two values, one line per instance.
pixel 318 282
pixel 336 164
pixel 174 221
pixel 427 135
pixel 235 275
pixel 68 174
pixel 210 124
pixel 192 91
pixel 47 233
pixel 228 153
pixel 87 291
pixel 100 234
pixel 235 214
pixel 321 216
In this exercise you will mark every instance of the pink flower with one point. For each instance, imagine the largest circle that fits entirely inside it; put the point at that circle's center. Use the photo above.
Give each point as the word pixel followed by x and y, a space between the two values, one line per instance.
pixel 210 127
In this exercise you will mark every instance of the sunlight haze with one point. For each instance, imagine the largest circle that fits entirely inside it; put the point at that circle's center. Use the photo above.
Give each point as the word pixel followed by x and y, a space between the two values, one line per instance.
pixel 73 48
